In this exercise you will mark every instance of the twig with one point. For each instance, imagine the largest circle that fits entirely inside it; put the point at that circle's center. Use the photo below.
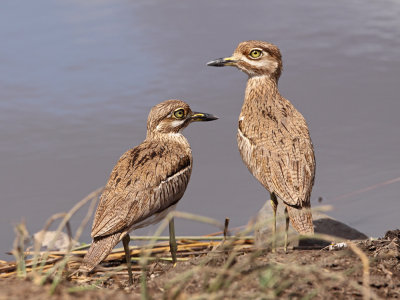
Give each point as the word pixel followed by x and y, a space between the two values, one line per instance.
pixel 226 227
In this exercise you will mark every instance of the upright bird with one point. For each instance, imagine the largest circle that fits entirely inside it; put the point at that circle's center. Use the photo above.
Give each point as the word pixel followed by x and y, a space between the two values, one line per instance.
pixel 273 137
pixel 146 183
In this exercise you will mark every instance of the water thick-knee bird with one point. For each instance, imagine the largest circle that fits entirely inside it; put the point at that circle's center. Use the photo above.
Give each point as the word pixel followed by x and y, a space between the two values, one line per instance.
pixel 146 183
pixel 273 136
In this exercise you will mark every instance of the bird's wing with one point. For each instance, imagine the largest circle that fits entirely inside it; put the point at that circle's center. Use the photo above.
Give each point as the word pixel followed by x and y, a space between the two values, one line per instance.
pixel 282 160
pixel 146 180
pixel 292 171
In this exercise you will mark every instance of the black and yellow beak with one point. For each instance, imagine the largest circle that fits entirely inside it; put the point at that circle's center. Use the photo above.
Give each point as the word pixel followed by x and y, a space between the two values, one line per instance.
pixel 222 62
pixel 199 116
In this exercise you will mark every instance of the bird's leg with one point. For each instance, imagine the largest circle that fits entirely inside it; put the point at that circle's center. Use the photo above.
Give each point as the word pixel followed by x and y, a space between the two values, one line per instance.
pixel 286 228
pixel 172 241
pixel 125 242
pixel 274 204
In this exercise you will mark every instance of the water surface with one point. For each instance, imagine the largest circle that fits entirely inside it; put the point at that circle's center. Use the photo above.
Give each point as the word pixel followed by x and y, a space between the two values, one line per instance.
pixel 78 78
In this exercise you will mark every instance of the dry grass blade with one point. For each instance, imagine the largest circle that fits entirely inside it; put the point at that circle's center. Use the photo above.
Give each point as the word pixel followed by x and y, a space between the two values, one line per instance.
pixel 78 233
pixel 182 215
pixel 219 266
pixel 39 240
pixel 67 217
pixel 19 247
pixel 147 252
pixel 365 263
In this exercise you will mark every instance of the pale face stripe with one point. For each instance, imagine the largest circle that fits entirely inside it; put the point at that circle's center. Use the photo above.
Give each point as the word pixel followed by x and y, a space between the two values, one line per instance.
pixel 261 63
pixel 177 123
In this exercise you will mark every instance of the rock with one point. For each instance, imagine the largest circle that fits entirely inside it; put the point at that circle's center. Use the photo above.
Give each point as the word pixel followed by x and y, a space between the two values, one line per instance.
pixel 61 243
pixel 323 224
pixel 326 225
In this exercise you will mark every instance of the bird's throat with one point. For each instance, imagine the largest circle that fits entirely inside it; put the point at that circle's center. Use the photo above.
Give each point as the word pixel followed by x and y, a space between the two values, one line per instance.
pixel 261 92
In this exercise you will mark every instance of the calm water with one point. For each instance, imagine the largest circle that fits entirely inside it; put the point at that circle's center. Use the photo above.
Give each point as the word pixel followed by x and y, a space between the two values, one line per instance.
pixel 77 79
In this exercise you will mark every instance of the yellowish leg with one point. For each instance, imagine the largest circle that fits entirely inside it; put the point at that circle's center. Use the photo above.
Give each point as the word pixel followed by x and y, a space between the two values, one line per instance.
pixel 172 241
pixel 274 204
pixel 125 242
pixel 286 229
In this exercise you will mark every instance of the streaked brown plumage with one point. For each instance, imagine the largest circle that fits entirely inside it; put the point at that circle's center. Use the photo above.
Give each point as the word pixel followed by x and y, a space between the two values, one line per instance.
pixel 273 137
pixel 146 182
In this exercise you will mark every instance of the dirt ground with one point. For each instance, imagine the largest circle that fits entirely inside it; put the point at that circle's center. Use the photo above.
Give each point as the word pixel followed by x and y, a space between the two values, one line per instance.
pixel 298 274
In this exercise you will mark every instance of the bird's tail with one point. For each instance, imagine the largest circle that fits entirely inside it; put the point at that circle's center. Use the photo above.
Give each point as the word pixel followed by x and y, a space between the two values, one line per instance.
pixel 301 219
pixel 98 251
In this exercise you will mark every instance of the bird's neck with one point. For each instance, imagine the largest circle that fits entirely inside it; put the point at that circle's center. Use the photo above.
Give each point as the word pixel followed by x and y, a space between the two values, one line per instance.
pixel 176 138
pixel 261 92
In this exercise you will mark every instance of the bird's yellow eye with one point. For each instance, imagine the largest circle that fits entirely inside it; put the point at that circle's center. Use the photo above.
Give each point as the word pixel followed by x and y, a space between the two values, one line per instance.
pixel 179 113
pixel 255 53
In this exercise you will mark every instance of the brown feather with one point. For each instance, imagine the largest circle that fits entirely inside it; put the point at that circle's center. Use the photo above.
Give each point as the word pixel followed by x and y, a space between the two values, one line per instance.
pixel 145 183
pixel 98 251
pixel 132 193
pixel 273 137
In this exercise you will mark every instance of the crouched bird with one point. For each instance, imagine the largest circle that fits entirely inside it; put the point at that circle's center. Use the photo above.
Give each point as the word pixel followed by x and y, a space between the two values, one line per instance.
pixel 273 136
pixel 146 183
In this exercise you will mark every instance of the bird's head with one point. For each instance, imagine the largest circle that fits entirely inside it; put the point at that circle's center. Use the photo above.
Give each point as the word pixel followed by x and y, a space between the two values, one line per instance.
pixel 255 58
pixel 172 116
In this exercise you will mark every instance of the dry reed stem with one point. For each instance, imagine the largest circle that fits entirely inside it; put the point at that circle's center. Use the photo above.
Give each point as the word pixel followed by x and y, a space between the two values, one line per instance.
pixel 183 237
pixel 365 263
pixel 165 222
pixel 184 250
